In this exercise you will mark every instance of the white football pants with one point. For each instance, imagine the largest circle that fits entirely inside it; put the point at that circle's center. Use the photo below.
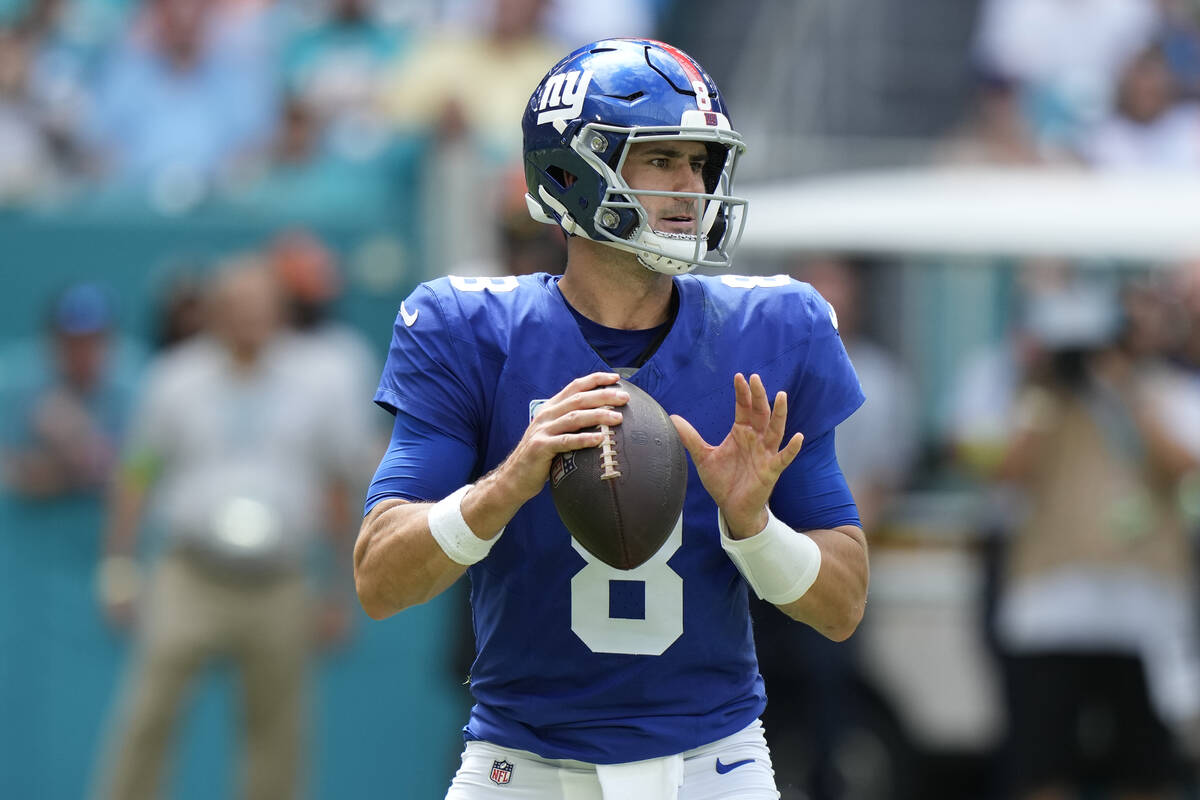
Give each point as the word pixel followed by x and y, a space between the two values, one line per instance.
pixel 737 767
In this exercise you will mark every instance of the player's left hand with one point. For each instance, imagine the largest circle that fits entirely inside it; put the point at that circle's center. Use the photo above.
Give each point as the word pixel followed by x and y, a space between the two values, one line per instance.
pixel 740 473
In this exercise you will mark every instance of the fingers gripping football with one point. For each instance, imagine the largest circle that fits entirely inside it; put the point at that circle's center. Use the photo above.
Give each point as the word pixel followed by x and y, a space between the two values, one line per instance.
pixel 741 472
pixel 558 425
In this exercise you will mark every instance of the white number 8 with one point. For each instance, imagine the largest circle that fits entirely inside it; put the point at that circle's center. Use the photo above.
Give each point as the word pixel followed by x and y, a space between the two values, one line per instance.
pixel 662 622
pixel 486 283
pixel 755 281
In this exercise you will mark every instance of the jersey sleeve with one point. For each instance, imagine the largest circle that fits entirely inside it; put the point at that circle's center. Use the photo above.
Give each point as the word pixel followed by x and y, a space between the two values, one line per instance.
pixel 812 492
pixel 829 390
pixel 421 463
pixel 430 371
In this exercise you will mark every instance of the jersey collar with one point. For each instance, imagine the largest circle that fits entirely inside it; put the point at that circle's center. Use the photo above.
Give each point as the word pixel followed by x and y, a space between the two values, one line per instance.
pixel 672 355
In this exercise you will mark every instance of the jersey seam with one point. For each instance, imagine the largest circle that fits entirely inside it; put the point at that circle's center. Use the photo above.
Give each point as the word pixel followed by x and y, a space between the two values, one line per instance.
pixel 457 340
pixel 457 343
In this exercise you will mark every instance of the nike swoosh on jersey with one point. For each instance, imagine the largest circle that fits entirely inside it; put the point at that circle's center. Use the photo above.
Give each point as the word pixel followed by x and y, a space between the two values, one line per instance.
pixel 724 768
pixel 409 319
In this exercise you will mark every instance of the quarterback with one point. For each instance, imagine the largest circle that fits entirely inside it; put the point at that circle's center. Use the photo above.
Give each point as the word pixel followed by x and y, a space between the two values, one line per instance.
pixel 592 682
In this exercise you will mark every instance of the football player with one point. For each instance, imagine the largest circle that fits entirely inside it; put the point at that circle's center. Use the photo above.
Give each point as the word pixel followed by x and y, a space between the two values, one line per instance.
pixel 591 682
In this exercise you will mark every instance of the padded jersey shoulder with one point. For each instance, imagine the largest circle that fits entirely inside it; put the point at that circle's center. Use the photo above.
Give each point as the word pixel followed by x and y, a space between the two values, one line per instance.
pixel 451 339
pixel 767 307
pixel 482 309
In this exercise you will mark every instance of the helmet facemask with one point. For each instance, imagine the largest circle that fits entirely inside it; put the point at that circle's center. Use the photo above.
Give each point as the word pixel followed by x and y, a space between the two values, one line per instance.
pixel 621 220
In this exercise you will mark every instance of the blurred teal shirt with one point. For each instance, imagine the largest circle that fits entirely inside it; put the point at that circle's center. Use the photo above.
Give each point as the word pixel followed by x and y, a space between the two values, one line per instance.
pixel 28 374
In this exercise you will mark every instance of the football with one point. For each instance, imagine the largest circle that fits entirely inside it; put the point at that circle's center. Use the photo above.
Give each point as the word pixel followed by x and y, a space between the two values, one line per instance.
pixel 621 500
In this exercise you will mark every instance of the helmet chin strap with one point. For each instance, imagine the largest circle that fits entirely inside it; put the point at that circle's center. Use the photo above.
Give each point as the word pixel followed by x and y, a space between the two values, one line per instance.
pixel 663 264
pixel 659 262
pixel 666 264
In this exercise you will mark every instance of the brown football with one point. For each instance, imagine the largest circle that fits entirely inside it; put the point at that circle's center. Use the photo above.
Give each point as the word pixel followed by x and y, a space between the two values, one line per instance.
pixel 622 499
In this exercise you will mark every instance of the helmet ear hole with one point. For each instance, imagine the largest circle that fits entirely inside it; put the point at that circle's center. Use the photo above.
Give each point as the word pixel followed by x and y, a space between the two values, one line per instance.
pixel 717 232
pixel 714 165
pixel 560 176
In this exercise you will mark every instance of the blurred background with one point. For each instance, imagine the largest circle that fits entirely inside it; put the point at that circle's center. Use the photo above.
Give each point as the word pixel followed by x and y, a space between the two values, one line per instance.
pixel 1001 198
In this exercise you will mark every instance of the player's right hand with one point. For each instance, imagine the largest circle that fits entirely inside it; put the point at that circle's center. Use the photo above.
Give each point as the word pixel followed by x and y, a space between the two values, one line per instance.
pixel 557 427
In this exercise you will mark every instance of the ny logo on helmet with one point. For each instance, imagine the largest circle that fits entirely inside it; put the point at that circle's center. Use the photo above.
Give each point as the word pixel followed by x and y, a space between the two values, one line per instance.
pixel 563 96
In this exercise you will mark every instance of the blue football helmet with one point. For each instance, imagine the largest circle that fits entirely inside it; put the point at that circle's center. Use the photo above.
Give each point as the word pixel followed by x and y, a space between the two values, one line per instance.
pixel 581 121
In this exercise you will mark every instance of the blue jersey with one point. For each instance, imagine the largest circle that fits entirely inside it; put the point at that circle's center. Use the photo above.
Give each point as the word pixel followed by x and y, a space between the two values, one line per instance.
pixel 576 659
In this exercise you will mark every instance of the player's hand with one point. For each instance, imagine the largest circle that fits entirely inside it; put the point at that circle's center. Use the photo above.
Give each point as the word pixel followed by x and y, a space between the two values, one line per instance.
pixel 740 473
pixel 557 428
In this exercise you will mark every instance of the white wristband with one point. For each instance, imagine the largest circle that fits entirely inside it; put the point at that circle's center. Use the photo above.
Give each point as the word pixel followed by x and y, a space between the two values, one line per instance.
pixel 452 533
pixel 779 563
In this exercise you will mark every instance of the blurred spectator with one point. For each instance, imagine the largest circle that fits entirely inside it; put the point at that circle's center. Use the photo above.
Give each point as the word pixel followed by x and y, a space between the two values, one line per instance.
pixel 996 131
pixel 336 66
pixel 81 23
pixel 1187 355
pixel 1188 290
pixel 528 246
pixel 302 176
pixel 572 23
pixel 307 272
pixel 298 141
pixel 1181 44
pixel 65 397
pixel 65 409
pixel 465 92
pixel 28 165
pixel 1096 610
pixel 1149 127
pixel 979 413
pixel 67 41
pixel 810 679
pixel 576 22
pixel 525 245
pixel 1065 55
pixel 1167 311
pixel 180 311
pixel 1158 330
pixel 878 447
pixel 236 441
pixel 155 119
pixel 458 84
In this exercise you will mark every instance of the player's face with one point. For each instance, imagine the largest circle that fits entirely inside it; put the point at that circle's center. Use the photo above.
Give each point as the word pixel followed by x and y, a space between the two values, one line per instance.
pixel 668 166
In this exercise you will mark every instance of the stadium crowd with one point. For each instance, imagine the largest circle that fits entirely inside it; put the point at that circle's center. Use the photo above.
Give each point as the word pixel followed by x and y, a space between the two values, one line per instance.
pixel 1077 426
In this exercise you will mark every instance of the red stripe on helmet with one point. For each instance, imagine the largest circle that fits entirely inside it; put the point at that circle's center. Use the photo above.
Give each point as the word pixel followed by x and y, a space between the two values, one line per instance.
pixel 685 61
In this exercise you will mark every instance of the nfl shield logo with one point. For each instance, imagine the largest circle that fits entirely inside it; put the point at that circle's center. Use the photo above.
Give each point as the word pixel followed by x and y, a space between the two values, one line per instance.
pixel 501 772
pixel 562 466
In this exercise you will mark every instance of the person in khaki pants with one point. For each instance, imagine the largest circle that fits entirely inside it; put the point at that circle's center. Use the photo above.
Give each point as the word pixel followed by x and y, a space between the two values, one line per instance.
pixel 234 445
